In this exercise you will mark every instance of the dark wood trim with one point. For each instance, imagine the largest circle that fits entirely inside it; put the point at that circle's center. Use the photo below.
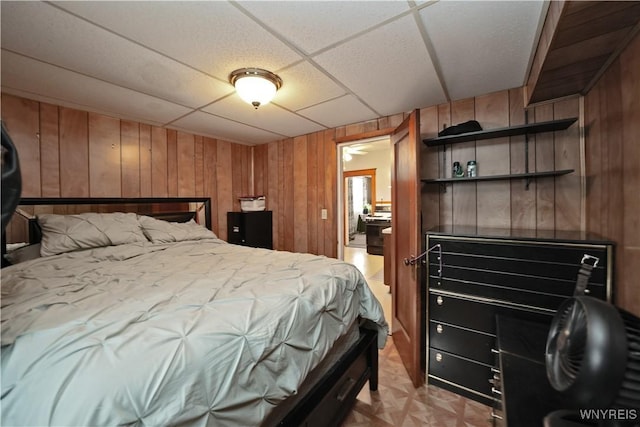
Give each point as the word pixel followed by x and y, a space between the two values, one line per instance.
pixel 364 135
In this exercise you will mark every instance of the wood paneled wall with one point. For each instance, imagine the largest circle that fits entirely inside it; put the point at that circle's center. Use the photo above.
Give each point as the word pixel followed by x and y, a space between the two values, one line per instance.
pixel 612 120
pixel 298 178
pixel 71 153
pixel 549 203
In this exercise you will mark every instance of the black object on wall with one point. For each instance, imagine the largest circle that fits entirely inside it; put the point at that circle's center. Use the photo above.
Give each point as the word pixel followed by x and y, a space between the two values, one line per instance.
pixel 11 178
pixel 11 184
pixel 250 229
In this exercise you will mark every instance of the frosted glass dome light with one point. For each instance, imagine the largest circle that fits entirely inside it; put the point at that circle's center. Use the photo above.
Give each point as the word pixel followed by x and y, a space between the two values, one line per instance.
pixel 255 85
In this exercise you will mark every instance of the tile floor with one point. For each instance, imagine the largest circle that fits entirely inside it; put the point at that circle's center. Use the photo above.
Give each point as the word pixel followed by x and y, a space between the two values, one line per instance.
pixel 397 403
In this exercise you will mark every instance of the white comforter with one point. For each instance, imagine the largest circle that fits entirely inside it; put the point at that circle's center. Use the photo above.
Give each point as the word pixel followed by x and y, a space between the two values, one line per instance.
pixel 197 332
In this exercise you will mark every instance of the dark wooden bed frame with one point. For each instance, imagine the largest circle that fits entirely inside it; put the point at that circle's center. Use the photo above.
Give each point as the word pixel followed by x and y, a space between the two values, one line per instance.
pixel 329 399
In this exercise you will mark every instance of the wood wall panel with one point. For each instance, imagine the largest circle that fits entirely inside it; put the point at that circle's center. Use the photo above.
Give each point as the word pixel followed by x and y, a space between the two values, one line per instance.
pixel 242 173
pixel 313 215
pixel 186 164
pixel 445 163
pixel 260 168
pixel 159 171
pixel 210 179
pixel 22 123
pixel 630 78
pixel 49 151
pixel 224 183
pixel 130 152
pixel 493 157
pixel 523 199
pixel 568 201
pixel 104 156
pixel 145 160
pixel 545 161
pixel 464 195
pixel 287 201
pixel 322 191
pixel 330 195
pixel 198 157
pixel 271 187
pixel 74 153
pixel 300 195
pixel 120 158
pixel 172 163
pixel 612 120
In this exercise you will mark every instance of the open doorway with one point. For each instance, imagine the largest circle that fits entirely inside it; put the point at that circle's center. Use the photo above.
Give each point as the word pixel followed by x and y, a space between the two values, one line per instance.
pixel 364 210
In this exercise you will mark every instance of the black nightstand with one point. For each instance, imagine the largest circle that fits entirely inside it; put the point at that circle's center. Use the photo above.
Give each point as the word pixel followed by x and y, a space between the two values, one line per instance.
pixel 250 229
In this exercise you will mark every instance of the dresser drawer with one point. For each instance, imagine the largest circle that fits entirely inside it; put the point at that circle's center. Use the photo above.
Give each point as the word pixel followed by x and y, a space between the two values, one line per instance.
pixel 493 286
pixel 530 253
pixel 464 372
pixel 474 314
pixel 463 342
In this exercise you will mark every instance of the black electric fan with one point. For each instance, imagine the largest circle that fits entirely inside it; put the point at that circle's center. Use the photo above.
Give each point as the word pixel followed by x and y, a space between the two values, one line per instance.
pixel 593 359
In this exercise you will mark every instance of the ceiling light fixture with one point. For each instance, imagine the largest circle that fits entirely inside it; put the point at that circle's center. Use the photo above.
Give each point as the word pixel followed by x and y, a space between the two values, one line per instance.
pixel 255 85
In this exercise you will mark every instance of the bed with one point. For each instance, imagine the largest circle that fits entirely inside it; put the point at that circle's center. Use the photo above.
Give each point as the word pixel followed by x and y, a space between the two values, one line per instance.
pixel 131 319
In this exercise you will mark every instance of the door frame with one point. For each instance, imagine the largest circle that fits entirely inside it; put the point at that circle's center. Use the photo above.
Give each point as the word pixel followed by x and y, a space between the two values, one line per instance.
pixel 341 143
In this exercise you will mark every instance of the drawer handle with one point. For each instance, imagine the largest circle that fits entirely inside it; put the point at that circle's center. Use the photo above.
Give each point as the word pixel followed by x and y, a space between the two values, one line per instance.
pixel 494 415
pixel 439 300
pixel 496 391
pixel 494 351
pixel 438 357
pixel 346 388
pixel 439 329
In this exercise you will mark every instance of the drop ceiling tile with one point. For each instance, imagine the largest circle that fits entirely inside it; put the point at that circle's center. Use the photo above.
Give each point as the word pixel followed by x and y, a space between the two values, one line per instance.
pixel 269 117
pixel 340 111
pixel 212 36
pixel 313 25
pixel 304 85
pixel 47 33
pixel 221 128
pixel 61 86
pixel 496 56
pixel 389 68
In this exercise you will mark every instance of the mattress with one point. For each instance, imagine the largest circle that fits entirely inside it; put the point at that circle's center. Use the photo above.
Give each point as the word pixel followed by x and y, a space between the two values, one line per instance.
pixel 193 332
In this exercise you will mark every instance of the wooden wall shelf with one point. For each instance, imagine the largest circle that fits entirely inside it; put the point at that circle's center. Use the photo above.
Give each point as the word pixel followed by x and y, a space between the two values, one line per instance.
pixel 499 177
pixel 529 128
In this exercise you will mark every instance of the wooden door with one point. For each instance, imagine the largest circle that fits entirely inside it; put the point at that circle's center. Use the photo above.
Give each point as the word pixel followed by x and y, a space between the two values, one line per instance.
pixel 405 282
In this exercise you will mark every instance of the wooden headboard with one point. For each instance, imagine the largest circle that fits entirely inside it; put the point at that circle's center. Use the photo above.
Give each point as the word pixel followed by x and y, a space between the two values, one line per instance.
pixel 175 209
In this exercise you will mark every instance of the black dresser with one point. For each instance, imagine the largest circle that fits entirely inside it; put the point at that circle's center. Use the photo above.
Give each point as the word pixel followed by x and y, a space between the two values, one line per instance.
pixel 250 229
pixel 479 275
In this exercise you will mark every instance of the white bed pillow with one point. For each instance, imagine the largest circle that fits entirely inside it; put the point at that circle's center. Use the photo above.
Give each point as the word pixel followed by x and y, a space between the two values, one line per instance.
pixel 159 231
pixel 66 233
